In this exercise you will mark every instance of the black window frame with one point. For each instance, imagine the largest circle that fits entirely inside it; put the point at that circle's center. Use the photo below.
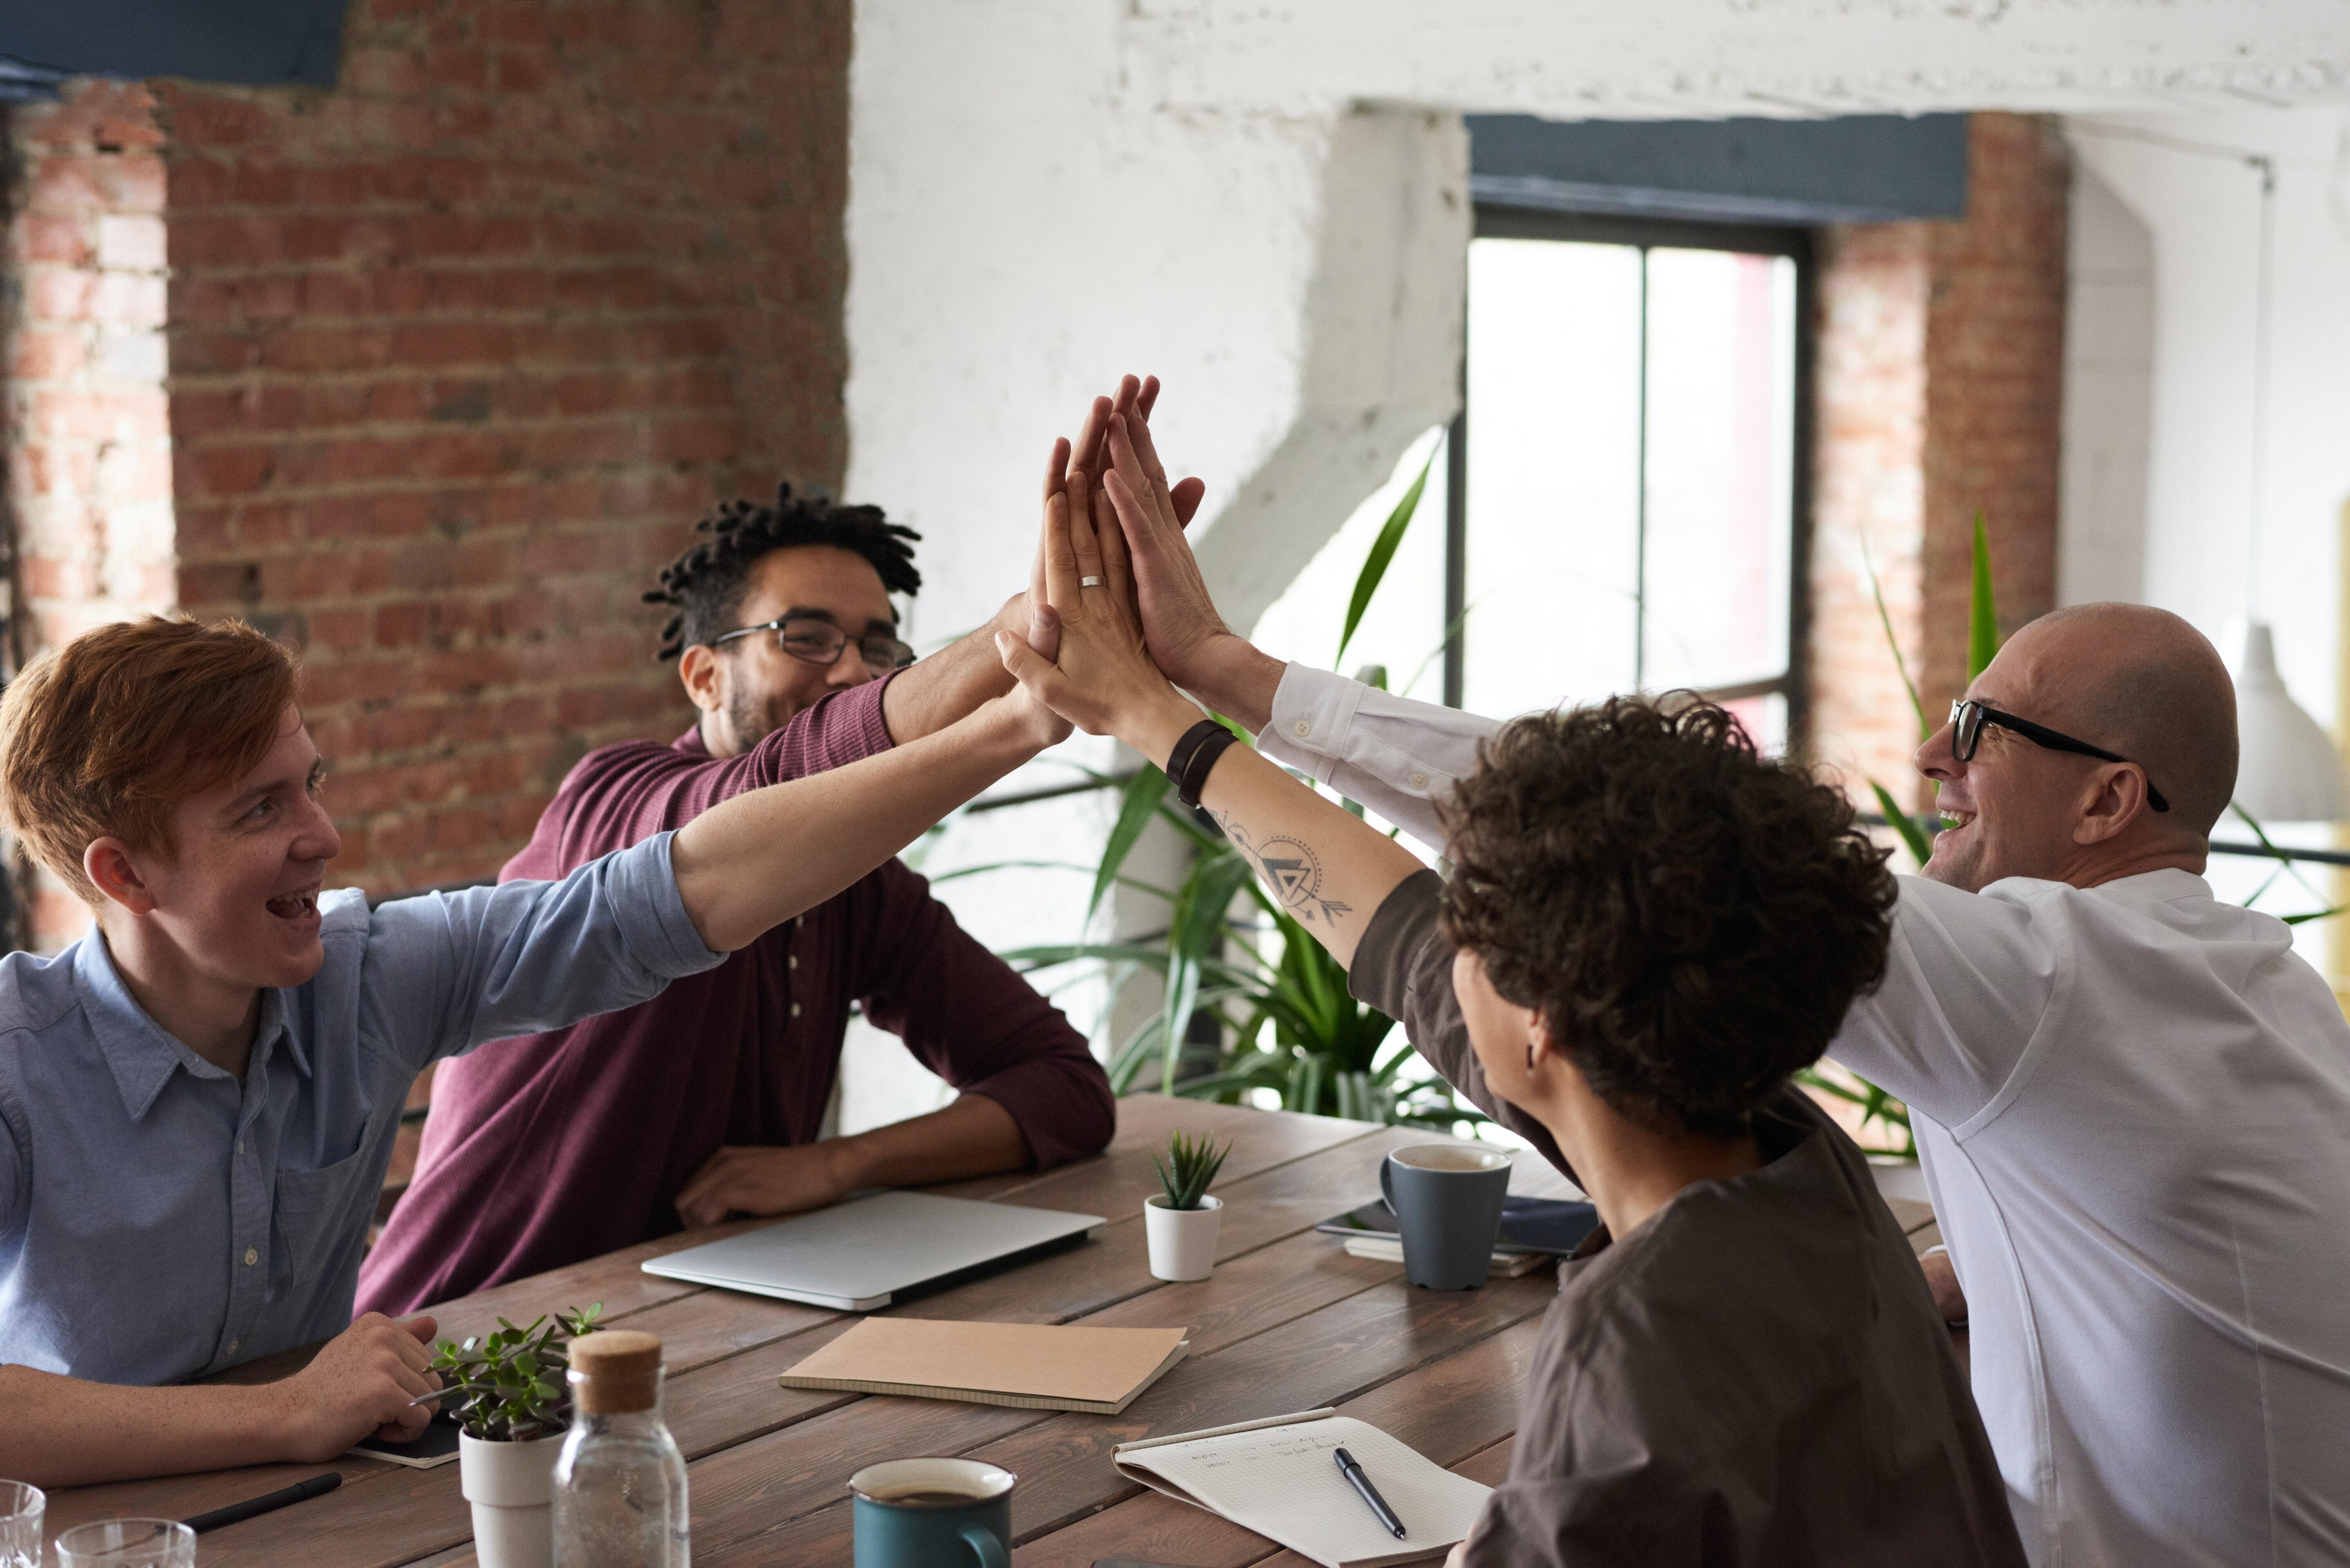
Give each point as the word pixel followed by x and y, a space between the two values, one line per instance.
pixel 1493 221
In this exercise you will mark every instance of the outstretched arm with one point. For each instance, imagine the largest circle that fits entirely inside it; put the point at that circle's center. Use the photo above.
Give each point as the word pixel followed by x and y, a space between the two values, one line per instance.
pixel 752 862
pixel 1328 869
pixel 952 683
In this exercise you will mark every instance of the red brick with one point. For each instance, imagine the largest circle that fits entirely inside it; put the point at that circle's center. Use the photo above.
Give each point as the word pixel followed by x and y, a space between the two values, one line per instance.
pixel 460 349
pixel 40 353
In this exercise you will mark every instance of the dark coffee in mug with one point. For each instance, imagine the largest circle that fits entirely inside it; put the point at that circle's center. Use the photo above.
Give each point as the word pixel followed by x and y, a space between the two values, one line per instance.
pixel 932 1513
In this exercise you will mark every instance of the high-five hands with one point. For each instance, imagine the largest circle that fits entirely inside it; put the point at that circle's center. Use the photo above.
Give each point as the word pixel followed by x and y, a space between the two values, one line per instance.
pixel 1101 676
pixel 1179 618
pixel 1087 458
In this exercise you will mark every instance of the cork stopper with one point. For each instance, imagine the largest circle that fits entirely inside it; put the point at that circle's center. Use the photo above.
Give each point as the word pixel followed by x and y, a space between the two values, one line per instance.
pixel 616 1371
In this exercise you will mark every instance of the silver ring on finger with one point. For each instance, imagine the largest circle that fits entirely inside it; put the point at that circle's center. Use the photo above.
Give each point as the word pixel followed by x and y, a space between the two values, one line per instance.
pixel 1089 582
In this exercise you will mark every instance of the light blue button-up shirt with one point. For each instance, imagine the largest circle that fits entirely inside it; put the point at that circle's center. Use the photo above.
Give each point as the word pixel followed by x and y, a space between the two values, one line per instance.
pixel 159 1219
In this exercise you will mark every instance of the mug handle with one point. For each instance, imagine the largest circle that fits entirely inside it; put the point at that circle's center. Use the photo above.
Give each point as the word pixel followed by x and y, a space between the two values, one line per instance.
pixel 982 1539
pixel 1387 1184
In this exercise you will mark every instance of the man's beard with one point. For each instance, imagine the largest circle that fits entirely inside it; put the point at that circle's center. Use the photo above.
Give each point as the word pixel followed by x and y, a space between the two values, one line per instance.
pixel 752 720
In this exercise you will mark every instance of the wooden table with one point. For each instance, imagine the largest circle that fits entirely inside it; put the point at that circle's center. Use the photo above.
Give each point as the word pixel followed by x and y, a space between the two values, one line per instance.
pixel 1287 1323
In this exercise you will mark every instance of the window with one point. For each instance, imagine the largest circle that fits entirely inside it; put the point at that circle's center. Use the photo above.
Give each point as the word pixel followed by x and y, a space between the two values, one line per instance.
pixel 1626 490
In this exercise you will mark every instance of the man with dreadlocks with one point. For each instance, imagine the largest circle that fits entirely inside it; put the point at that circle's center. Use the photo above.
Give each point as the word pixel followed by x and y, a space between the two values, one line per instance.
pixel 711 1100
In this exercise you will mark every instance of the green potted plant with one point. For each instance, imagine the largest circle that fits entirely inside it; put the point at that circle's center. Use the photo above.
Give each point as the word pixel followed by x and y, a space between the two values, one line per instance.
pixel 510 1395
pixel 1182 1221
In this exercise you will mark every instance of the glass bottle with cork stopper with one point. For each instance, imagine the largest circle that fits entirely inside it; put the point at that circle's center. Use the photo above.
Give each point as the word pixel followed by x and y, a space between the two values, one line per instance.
pixel 619 1482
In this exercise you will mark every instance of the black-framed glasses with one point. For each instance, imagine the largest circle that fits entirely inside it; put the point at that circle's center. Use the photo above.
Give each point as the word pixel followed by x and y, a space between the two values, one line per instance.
pixel 1970 718
pixel 815 640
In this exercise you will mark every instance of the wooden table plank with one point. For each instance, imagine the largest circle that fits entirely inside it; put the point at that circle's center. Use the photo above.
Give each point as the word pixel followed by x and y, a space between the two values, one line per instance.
pixel 1288 1319
pixel 1326 1356
pixel 723 1401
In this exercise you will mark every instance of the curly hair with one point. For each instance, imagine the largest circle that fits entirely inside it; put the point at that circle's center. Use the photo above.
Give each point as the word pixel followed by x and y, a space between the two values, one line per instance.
pixel 1690 919
pixel 705 585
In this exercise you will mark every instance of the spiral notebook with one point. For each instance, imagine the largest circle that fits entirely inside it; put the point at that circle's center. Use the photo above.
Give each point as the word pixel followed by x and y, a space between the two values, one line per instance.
pixel 1277 1478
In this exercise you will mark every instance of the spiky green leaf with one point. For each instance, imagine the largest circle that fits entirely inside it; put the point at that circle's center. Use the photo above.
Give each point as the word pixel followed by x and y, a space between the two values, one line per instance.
pixel 1137 805
pixel 1982 618
pixel 1913 838
pixel 1383 549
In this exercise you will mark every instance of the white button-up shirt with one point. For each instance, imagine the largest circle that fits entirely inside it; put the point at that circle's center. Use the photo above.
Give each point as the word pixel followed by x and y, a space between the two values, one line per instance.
pixel 2133 1107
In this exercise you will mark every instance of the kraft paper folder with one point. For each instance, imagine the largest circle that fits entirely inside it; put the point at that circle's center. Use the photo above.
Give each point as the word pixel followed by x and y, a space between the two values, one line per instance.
pixel 1277 1478
pixel 1028 1366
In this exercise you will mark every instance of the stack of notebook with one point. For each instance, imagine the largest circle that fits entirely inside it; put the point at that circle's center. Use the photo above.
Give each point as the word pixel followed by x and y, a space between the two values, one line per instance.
pixel 1390 1250
pixel 1534 1232
pixel 1029 1365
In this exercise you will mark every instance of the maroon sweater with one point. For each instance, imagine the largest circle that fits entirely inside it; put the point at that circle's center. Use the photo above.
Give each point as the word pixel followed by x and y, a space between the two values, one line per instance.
pixel 545 1151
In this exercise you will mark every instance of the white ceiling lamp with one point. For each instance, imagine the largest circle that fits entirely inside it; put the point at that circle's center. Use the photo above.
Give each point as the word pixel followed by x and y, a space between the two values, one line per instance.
pixel 2288 769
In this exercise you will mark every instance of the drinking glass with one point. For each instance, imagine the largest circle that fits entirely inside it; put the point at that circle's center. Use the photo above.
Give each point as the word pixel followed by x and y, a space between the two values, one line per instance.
pixel 21 1507
pixel 128 1543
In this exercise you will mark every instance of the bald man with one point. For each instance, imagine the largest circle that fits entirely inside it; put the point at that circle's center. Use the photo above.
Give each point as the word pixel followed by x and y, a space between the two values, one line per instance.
pixel 2132 1100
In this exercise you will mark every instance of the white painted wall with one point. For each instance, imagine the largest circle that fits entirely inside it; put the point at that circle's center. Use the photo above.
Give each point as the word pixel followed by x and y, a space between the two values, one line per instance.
pixel 1675 58
pixel 2109 397
pixel 2199 218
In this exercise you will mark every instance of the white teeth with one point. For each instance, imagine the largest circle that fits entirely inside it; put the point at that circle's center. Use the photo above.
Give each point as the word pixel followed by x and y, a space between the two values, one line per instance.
pixel 1957 818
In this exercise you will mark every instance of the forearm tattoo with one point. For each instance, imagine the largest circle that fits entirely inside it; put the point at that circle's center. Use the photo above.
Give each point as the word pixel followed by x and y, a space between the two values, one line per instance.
pixel 1291 868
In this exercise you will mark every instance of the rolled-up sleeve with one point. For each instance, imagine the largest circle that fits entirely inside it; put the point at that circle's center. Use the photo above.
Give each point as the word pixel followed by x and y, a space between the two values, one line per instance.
pixel 1392 754
pixel 968 1017
pixel 1403 967
pixel 447 972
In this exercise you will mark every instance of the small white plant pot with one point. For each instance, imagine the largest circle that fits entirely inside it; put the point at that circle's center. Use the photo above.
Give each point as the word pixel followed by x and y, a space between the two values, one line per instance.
pixel 1183 1240
pixel 512 1488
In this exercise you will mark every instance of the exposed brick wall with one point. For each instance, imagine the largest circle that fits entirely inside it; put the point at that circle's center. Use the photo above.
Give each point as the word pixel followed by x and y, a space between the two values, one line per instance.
pixel 89 478
pixel 459 351
pixel 1869 498
pixel 1994 388
pixel 1939 389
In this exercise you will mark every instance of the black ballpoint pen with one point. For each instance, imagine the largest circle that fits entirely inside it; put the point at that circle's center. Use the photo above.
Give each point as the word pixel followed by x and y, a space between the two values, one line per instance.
pixel 268 1502
pixel 1362 1483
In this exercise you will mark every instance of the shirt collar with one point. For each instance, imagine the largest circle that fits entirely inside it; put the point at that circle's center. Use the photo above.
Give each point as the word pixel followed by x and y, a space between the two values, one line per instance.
pixel 140 1052
pixel 2160 886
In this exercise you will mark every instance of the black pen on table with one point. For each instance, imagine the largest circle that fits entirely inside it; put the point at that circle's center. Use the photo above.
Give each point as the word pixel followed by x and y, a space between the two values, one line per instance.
pixel 268 1502
pixel 1362 1483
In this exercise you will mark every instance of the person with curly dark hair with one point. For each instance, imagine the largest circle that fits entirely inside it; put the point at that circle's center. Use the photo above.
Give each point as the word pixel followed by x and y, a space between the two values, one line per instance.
pixel 713 1099
pixel 1689 920
pixel 1649 927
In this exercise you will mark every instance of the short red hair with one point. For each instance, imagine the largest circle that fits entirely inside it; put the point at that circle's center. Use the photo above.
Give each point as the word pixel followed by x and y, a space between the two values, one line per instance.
pixel 107 735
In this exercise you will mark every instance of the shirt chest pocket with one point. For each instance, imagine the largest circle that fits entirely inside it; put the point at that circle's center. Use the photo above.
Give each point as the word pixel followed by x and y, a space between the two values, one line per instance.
pixel 319 1214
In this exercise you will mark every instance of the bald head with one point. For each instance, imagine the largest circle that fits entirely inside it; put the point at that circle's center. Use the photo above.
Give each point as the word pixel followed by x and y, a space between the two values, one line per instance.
pixel 2141 682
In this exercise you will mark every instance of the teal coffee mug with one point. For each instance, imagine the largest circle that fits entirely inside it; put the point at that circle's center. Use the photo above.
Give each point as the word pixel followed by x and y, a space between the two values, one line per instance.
pixel 933 1513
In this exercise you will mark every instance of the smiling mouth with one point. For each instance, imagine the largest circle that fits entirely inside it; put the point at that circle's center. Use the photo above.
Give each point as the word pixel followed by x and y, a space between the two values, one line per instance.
pixel 296 906
pixel 1955 819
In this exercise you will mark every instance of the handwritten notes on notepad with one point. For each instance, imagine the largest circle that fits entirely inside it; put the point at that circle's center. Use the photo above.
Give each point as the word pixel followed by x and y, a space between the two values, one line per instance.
pixel 1278 1479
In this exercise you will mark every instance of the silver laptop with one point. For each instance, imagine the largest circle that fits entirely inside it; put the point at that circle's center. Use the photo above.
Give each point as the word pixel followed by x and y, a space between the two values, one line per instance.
pixel 857 1255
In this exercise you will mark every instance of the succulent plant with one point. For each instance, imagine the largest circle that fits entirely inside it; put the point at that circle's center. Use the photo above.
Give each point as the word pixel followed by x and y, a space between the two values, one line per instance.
pixel 513 1386
pixel 1191 1163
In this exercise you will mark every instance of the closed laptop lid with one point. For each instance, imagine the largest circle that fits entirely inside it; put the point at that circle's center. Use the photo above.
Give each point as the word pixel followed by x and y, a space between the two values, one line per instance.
pixel 866 1249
